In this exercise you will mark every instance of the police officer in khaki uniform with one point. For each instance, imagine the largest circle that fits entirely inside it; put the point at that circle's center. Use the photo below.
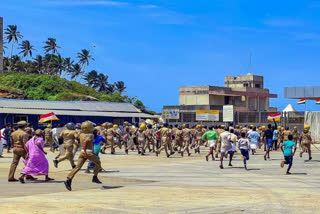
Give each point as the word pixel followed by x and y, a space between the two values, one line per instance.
pixel 48 136
pixel 198 135
pixel 165 136
pixel 286 134
pixel 69 137
pixel 150 140
pixel 19 139
pixel 76 144
pixel 142 137
pixel 187 137
pixel 306 141
pixel 296 135
pixel 86 143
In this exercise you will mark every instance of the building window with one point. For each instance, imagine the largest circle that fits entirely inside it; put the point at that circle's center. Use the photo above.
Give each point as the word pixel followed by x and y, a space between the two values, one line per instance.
pixel 246 85
pixel 257 85
pixel 17 118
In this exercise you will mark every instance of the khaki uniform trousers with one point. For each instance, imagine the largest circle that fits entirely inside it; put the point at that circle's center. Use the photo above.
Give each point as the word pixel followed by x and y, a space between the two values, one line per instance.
pixel 164 146
pixel 186 144
pixel 75 149
pixel 82 160
pixel 68 154
pixel 17 154
pixel 48 141
pixel 306 147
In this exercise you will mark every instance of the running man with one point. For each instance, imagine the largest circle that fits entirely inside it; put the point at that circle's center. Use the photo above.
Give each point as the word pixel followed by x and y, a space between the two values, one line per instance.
pixel 244 147
pixel 211 136
pixel 287 148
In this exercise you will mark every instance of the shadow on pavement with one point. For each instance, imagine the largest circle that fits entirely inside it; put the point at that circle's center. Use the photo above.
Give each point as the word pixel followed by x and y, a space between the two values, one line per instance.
pixel 110 187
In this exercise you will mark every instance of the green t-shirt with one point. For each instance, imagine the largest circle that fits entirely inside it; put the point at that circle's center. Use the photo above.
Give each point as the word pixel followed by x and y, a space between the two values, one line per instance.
pixel 210 135
pixel 287 147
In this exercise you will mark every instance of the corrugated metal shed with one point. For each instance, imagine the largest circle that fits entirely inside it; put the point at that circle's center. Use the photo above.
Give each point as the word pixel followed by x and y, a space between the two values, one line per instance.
pixel 68 106
pixel 75 113
pixel 310 92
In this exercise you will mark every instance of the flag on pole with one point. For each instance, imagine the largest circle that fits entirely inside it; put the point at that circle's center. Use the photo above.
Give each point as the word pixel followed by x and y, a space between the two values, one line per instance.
pixel 302 101
pixel 318 102
pixel 274 116
pixel 48 117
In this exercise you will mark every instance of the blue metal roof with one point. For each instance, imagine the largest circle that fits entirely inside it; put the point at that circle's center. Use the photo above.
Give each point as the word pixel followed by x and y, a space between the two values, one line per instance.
pixel 91 106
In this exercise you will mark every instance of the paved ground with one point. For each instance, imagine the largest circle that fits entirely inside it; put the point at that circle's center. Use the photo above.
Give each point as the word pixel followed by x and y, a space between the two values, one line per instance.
pixel 135 184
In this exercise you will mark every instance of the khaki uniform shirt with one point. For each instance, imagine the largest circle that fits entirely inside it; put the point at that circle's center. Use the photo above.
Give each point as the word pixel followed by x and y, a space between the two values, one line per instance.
pixel 19 138
pixel 89 137
pixel 69 137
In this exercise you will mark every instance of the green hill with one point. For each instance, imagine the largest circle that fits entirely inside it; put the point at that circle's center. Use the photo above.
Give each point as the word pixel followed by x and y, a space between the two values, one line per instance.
pixel 44 87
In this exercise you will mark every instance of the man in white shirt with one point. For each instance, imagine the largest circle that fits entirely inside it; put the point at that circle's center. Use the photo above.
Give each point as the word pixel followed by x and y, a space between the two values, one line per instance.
pixel 226 146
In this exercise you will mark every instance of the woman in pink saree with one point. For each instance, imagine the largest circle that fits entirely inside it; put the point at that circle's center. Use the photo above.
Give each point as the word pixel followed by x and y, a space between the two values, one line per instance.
pixel 36 162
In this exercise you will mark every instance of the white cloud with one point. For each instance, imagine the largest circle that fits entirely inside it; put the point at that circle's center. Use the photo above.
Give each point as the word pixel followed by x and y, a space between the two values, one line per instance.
pixel 282 22
pixel 88 3
pixel 148 6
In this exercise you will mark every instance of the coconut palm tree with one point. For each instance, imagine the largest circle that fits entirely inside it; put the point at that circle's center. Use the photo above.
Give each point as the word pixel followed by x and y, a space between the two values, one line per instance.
pixel 119 86
pixel 76 71
pixel 26 48
pixel 58 65
pixel 67 63
pixel 91 78
pixel 12 35
pixel 102 83
pixel 110 89
pixel 51 47
pixel 39 64
pixel 84 58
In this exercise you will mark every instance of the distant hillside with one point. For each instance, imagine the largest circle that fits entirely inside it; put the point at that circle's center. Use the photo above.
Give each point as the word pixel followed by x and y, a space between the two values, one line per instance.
pixel 44 87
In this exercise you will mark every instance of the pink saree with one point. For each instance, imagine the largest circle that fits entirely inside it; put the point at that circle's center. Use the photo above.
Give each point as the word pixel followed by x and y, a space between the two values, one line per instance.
pixel 37 163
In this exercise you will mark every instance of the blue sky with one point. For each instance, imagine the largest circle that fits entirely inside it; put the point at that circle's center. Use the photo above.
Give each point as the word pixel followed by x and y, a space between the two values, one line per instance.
pixel 155 46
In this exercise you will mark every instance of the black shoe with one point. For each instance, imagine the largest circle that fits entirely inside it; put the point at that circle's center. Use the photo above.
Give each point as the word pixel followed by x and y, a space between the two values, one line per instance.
pixel 181 154
pixel 67 183
pixel 310 158
pixel 172 153
pixel 139 152
pixel 157 154
pixel 49 179
pixel 55 162
pixel 13 180
pixel 21 180
pixel 30 178
pixel 245 167
pixel 230 164
pixel 127 151
pixel 74 166
pixel 168 156
pixel 96 180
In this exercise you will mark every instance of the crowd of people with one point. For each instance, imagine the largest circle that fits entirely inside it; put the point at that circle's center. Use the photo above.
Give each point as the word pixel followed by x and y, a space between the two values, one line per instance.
pixel 90 140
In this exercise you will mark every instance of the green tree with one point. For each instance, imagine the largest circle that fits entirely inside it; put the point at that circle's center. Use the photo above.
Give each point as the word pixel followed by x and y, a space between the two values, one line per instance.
pixel 50 47
pixel 139 104
pixel 91 78
pixel 102 83
pixel 119 87
pixel 84 58
pixel 12 35
pixel 26 48
pixel 76 71
pixel 39 64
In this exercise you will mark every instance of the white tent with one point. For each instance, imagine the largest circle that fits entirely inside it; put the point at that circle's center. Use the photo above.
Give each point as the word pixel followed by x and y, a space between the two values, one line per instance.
pixel 289 108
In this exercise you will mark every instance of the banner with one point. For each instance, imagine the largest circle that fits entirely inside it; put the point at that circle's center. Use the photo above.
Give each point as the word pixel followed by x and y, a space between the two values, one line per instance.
pixel 48 117
pixel 274 116
pixel 228 113
pixel 207 115
pixel 171 114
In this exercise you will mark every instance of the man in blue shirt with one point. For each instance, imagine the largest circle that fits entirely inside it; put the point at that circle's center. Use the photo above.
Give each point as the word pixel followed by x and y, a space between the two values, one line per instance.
pixel 288 154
